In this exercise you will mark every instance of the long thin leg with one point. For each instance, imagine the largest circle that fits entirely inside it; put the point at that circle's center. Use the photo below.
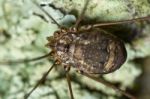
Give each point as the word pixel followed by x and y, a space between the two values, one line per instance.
pixel 69 84
pixel 109 85
pixel 25 60
pixel 47 13
pixel 81 14
pixel 121 22
pixel 39 82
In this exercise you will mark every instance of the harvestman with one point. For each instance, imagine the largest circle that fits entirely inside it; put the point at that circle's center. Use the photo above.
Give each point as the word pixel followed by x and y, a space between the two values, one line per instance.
pixel 68 47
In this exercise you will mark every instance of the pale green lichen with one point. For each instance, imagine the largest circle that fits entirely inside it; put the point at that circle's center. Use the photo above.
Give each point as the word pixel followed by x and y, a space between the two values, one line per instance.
pixel 105 10
pixel 28 36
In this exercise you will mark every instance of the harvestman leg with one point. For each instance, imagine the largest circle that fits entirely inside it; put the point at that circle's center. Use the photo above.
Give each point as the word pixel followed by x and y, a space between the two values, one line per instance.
pixel 39 82
pixel 81 14
pixel 106 23
pixel 43 17
pixel 116 22
pixel 34 2
pixel 69 85
pixel 46 74
pixel 31 60
pixel 75 26
pixel 109 85
pixel 25 60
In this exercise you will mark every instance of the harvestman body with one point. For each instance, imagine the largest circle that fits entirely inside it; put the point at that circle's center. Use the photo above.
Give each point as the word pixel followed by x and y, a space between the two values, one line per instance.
pixel 87 48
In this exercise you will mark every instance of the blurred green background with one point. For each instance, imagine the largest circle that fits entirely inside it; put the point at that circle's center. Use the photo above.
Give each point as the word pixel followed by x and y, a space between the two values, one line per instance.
pixel 23 35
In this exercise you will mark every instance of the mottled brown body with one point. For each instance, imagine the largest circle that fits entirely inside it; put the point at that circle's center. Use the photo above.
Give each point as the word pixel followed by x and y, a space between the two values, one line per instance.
pixel 90 51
